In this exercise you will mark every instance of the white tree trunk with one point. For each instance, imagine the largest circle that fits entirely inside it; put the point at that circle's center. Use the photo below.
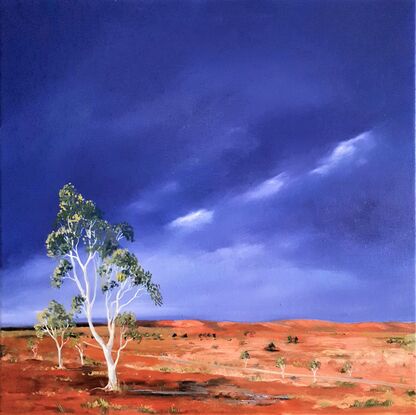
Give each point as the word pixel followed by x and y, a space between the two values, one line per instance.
pixel 112 384
pixel 60 361
pixel 111 371
pixel 314 375
pixel 283 372
pixel 81 357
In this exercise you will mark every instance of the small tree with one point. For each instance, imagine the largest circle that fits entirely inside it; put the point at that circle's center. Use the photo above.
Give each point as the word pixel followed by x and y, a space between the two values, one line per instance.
pixel 281 364
pixel 245 356
pixel 314 366
pixel 33 345
pixel 57 323
pixel 90 256
pixel 127 328
pixel 347 368
pixel 78 343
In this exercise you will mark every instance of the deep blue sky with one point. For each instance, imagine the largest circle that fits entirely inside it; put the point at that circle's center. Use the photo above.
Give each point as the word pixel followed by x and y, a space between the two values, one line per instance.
pixel 262 150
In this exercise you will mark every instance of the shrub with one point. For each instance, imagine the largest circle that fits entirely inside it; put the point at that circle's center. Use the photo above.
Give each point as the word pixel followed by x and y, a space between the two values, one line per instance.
pixel 271 347
pixel 370 403
pixel 60 409
pixel 98 403
pixel 3 350
pixel 410 393
pixel 174 410
pixel 91 362
pixel 293 339
pixel 144 409
pixel 346 384
pixel 101 404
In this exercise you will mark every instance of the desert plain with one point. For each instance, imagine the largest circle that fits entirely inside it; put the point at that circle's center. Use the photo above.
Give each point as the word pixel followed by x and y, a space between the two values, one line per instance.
pixel 195 367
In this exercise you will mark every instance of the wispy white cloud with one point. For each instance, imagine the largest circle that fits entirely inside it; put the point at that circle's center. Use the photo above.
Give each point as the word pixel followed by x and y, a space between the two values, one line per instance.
pixel 267 188
pixel 193 219
pixel 346 151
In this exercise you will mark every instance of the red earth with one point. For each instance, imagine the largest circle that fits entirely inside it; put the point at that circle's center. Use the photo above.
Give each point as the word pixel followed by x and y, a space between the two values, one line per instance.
pixel 203 374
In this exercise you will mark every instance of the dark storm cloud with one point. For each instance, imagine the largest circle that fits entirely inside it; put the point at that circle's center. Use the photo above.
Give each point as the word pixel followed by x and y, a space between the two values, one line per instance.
pixel 229 134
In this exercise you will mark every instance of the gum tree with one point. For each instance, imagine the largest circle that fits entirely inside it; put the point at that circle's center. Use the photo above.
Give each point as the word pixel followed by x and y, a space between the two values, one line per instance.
pixel 78 343
pixel 56 322
pixel 90 256
pixel 33 345
pixel 347 368
pixel 314 366
pixel 245 356
pixel 281 364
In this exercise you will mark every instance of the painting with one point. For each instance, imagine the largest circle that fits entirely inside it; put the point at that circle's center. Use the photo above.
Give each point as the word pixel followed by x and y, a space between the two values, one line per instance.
pixel 207 207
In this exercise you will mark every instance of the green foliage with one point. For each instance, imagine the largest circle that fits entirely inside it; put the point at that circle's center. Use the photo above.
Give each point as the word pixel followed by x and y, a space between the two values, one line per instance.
pixel 370 403
pixel 79 224
pixel 55 319
pixel 245 355
pixel 122 265
pixel 410 393
pixel 79 220
pixel 77 303
pixel 174 410
pixel 293 339
pixel 314 364
pixel 127 322
pixel 61 271
pixel 280 362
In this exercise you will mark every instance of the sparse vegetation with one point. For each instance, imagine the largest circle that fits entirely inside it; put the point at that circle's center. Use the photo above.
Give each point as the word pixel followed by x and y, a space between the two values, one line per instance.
pixel 408 342
pixel 174 410
pixel 293 339
pixel 60 409
pixel 101 404
pixel 370 403
pixel 91 362
pixel 396 340
pixel 145 409
pixel 411 393
pixel 345 384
